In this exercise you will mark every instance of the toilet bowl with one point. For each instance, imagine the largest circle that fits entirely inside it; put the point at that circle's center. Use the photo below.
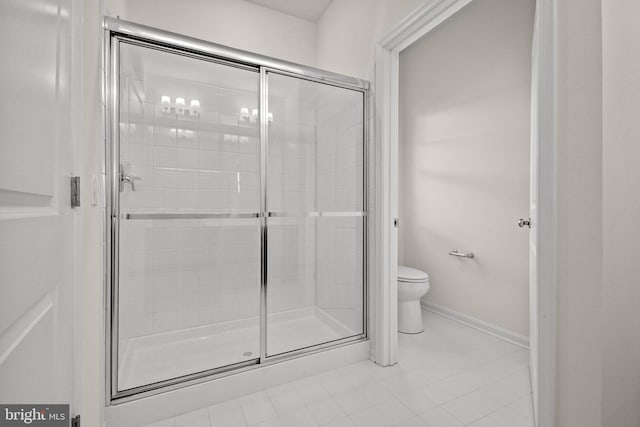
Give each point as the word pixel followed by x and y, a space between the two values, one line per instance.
pixel 412 285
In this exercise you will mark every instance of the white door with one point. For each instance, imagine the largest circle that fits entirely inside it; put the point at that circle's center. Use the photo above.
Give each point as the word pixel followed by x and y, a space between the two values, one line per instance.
pixel 36 220
pixel 533 216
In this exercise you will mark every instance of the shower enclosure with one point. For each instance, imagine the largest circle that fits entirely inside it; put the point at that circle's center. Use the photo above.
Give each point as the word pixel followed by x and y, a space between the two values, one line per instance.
pixel 237 232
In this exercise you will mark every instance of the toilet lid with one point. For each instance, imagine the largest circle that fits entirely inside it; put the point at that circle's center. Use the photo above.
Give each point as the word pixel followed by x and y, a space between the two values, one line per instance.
pixel 408 274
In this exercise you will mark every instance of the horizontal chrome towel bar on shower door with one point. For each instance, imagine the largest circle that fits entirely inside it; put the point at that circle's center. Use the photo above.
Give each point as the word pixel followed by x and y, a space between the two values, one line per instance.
pixel 193 215
pixel 315 214
pixel 188 215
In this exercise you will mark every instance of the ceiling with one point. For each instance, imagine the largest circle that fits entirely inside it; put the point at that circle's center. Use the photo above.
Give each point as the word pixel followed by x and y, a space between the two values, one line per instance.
pixel 311 10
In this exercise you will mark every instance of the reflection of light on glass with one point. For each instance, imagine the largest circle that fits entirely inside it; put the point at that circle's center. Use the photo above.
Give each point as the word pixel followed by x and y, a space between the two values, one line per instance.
pixel 244 113
pixel 180 104
pixel 188 133
pixel 238 180
pixel 195 107
pixel 166 104
pixel 270 117
pixel 254 115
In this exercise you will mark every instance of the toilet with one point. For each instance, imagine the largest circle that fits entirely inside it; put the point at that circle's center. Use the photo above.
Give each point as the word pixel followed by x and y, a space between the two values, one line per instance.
pixel 412 285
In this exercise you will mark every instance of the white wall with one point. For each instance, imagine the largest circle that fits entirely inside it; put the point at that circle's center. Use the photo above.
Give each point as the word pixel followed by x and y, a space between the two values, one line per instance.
pixel 93 373
pixel 349 30
pixel 579 198
pixel 464 122
pixel 621 210
pixel 233 23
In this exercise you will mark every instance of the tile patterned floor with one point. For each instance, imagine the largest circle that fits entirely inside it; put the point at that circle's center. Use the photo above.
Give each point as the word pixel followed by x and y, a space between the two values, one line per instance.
pixel 448 376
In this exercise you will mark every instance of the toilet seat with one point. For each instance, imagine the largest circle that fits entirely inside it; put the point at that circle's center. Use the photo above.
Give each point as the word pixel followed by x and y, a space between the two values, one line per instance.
pixel 411 275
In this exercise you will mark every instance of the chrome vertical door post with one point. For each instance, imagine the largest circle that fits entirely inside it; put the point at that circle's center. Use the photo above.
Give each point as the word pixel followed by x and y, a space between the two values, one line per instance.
pixel 113 111
pixel 264 137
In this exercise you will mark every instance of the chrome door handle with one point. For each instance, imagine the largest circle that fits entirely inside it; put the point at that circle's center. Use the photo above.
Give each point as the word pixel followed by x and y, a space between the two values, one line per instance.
pixel 524 222
pixel 127 178
pixel 131 180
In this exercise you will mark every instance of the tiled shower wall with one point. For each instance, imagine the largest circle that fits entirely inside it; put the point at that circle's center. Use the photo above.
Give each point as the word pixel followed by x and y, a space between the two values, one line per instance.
pixel 291 182
pixel 177 274
pixel 340 189
pixel 188 273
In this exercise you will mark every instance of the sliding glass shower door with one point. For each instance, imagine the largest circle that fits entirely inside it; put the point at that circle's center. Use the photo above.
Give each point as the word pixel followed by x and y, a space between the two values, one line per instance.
pixel 189 228
pixel 237 212
pixel 315 204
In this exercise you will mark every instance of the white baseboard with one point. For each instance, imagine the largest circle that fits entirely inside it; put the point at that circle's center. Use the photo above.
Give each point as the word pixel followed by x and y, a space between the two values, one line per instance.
pixel 478 324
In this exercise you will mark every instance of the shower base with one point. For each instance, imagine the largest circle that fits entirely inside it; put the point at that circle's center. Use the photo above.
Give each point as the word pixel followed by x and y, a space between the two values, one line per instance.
pixel 153 358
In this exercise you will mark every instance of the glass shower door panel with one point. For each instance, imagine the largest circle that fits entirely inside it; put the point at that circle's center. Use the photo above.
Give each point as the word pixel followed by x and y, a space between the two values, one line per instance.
pixel 315 204
pixel 189 231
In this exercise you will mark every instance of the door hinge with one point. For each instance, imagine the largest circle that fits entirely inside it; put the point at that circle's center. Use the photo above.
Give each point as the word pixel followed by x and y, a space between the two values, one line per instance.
pixel 75 191
pixel 75 421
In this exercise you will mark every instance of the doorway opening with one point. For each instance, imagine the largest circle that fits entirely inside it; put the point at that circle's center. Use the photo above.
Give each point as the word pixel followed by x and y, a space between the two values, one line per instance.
pixel 542 234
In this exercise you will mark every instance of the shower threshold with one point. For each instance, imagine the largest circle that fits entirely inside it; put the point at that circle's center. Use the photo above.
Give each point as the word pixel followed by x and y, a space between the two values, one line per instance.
pixel 153 358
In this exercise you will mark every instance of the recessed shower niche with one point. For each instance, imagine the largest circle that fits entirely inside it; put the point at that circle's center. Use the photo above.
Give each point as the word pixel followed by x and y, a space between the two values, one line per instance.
pixel 237 206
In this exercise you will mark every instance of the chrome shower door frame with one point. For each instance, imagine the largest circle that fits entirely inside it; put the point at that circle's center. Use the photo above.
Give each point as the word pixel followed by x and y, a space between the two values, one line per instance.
pixel 117 31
